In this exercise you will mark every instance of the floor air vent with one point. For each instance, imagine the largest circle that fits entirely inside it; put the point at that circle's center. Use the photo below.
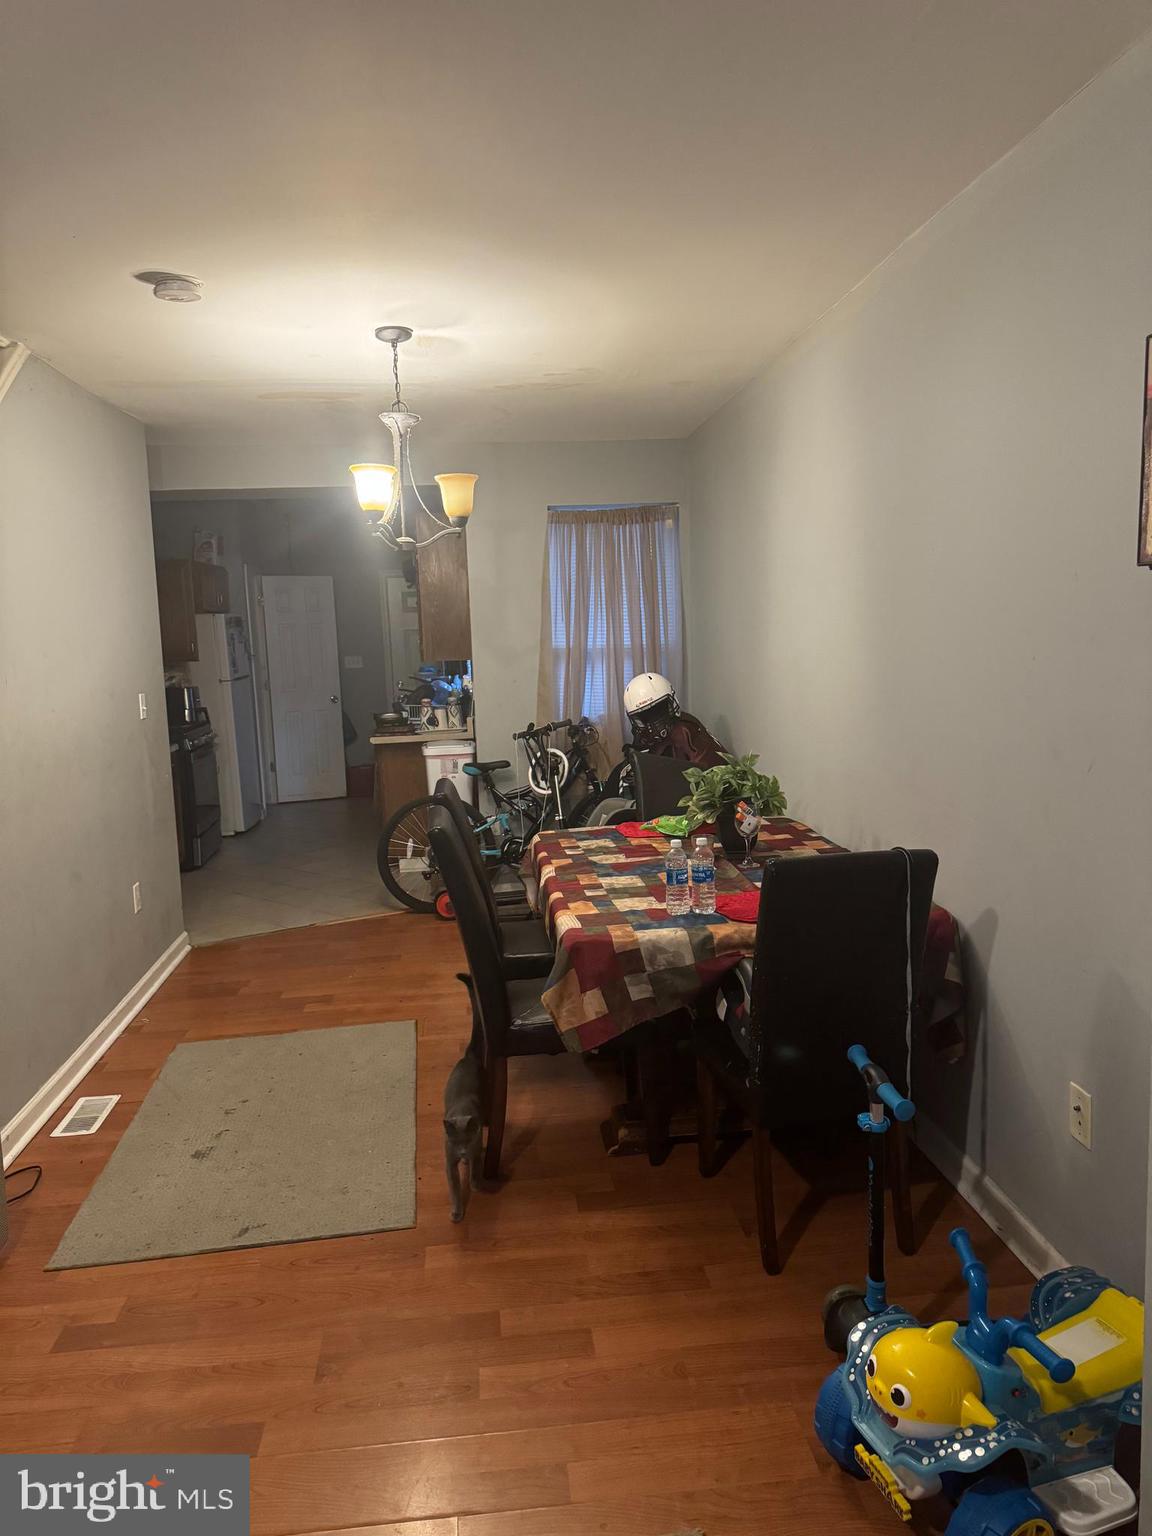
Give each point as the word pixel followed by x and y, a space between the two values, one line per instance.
pixel 87 1115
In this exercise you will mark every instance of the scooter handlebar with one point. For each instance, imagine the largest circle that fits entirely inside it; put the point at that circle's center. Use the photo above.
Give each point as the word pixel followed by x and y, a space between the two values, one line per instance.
pixel 902 1108
pixel 877 1080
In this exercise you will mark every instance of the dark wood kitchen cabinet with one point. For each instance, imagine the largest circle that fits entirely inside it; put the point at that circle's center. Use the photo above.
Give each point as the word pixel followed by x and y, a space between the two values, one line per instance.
pixel 442 585
pixel 185 588
pixel 177 611
pixel 209 587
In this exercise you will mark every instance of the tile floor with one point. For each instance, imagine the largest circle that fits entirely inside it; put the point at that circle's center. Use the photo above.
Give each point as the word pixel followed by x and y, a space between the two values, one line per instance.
pixel 311 862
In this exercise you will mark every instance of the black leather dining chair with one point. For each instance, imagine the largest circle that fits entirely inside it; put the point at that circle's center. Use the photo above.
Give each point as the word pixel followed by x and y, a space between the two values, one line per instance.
pixel 657 782
pixel 839 947
pixel 525 948
pixel 508 1017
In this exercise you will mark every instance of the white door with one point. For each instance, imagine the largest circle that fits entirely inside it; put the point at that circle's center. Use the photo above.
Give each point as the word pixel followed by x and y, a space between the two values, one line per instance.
pixel 304 680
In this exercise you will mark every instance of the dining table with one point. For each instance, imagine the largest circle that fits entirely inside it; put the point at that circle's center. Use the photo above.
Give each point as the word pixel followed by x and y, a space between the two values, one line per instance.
pixel 623 960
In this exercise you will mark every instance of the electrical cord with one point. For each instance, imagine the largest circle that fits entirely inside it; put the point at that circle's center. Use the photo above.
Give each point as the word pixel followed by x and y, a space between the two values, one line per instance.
pixel 35 1168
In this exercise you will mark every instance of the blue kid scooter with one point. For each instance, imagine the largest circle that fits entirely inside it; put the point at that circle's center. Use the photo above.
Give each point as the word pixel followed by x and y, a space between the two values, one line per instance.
pixel 991 1426
pixel 847 1305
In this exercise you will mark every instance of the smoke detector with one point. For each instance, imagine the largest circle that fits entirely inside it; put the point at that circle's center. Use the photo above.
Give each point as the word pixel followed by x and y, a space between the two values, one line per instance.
pixel 173 287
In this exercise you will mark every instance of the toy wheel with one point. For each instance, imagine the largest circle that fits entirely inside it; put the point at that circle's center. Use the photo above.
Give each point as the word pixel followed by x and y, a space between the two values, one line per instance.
pixel 443 908
pixel 997 1507
pixel 834 1427
pixel 843 1308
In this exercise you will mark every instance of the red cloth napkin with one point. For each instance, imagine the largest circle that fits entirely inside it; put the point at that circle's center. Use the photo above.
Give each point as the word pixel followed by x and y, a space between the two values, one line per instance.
pixel 740 906
pixel 636 829
pixel 645 830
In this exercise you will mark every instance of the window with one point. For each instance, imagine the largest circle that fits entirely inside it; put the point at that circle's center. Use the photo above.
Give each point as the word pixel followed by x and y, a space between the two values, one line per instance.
pixel 611 608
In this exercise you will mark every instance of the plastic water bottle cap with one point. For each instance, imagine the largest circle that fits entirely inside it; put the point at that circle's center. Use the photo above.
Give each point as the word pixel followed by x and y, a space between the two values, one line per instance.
pixel 676 843
pixel 703 842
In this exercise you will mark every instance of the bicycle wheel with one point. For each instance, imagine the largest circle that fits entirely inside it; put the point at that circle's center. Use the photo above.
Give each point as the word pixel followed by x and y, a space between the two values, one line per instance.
pixel 406 862
pixel 538 773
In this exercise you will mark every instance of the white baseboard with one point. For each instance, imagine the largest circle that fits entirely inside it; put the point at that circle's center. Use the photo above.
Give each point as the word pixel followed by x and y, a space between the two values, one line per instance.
pixel 43 1105
pixel 988 1200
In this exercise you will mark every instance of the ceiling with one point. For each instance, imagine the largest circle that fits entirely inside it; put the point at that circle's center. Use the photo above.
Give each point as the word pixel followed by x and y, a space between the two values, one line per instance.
pixel 600 217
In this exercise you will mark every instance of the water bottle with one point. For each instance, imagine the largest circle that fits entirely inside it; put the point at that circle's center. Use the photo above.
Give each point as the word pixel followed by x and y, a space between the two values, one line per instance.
pixel 678 893
pixel 703 876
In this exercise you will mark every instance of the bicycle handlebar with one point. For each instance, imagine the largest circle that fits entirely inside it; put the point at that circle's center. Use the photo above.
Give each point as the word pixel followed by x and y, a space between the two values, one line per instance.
pixel 879 1083
pixel 534 732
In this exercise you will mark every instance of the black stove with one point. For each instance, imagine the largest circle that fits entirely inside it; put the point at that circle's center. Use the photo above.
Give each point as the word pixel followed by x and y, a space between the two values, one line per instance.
pixel 197 790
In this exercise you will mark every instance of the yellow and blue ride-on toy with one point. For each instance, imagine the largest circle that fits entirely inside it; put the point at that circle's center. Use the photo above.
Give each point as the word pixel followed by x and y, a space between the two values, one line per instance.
pixel 993 1427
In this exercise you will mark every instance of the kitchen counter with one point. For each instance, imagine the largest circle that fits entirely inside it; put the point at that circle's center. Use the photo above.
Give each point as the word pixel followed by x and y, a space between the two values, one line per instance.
pixel 406 738
pixel 401 774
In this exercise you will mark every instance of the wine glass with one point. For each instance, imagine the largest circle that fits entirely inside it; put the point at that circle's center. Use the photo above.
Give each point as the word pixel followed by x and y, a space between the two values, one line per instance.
pixel 748 821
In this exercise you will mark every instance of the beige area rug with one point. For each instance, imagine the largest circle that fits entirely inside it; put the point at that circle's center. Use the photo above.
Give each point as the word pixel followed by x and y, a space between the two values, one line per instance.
pixel 266 1139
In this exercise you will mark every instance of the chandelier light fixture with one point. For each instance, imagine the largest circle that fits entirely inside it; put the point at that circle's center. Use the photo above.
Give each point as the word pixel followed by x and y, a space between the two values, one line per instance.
pixel 381 488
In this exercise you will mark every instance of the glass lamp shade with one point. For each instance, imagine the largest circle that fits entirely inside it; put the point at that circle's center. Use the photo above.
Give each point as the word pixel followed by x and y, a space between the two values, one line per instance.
pixel 377 486
pixel 456 493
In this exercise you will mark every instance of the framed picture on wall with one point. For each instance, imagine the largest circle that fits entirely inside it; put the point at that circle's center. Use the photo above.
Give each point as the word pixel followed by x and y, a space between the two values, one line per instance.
pixel 1144 554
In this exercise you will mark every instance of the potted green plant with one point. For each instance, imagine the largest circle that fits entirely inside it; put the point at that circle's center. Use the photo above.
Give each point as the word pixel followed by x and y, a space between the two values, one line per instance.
pixel 714 794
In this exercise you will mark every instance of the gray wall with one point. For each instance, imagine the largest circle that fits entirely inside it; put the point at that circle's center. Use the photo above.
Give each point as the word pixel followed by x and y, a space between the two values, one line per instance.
pixel 86 801
pixel 175 524
pixel 506 553
pixel 320 534
pixel 518 482
pixel 915 592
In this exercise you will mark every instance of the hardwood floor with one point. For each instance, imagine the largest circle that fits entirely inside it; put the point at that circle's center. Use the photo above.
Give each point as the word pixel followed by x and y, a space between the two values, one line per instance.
pixel 595 1349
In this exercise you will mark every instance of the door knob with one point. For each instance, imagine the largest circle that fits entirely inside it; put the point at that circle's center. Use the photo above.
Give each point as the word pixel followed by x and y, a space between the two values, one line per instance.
pixel 335 697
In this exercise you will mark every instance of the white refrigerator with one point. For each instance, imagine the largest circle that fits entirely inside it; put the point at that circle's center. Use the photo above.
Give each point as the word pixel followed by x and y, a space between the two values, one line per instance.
pixel 224 677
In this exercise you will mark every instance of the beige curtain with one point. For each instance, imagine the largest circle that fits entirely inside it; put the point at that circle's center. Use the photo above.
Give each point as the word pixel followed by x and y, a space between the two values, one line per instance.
pixel 611 607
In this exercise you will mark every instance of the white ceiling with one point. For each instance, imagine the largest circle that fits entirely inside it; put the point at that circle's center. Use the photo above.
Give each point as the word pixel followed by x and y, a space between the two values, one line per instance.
pixel 600 216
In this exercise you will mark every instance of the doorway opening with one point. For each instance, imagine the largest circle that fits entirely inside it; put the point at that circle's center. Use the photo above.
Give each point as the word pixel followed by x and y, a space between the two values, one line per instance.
pixel 278 655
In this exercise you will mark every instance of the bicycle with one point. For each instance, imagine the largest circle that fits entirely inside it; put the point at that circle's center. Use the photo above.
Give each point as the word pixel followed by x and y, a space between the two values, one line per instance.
pixel 405 859
pixel 614 793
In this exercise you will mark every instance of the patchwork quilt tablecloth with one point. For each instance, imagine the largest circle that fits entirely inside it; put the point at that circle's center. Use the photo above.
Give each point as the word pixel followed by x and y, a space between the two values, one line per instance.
pixel 621 960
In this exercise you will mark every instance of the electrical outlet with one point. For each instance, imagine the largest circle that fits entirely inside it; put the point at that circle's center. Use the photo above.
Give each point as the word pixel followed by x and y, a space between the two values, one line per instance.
pixel 1080 1114
pixel 143 706
pixel 137 899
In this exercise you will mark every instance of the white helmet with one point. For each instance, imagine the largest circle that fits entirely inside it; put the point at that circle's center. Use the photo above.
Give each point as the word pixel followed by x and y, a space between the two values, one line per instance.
pixel 647 690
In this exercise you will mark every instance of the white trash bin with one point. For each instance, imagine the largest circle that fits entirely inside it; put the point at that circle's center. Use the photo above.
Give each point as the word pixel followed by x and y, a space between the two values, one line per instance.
pixel 445 760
